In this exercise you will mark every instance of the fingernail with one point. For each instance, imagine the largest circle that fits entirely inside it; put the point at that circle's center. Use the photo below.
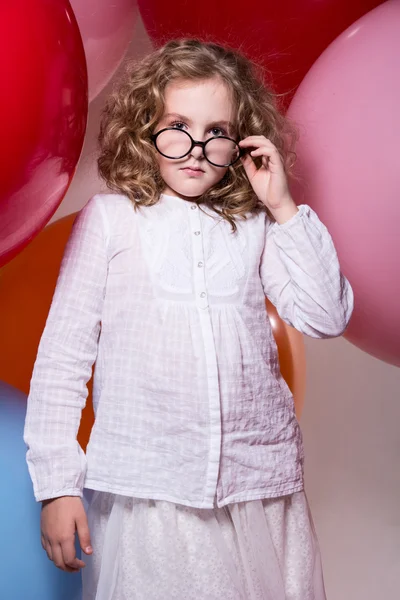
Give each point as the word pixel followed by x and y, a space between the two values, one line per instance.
pixel 89 549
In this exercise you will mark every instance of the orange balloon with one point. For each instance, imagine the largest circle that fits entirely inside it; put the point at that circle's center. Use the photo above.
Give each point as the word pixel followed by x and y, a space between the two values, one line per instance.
pixel 27 286
pixel 292 356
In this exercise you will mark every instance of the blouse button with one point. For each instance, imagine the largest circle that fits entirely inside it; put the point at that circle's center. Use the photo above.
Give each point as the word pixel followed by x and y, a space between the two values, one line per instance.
pixel 197 233
pixel 193 207
pixel 200 264
pixel 203 294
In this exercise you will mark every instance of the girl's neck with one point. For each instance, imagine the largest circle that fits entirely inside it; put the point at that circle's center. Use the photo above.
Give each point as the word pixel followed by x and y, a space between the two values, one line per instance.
pixel 173 196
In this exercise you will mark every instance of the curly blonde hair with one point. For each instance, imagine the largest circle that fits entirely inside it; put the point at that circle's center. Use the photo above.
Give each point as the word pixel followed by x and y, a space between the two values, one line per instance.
pixel 128 159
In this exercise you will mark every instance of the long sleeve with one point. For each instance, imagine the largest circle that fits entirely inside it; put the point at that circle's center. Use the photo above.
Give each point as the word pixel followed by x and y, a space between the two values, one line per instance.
pixel 67 351
pixel 301 276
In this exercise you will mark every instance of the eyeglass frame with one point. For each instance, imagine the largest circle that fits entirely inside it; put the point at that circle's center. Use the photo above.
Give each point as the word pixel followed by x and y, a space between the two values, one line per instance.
pixel 195 143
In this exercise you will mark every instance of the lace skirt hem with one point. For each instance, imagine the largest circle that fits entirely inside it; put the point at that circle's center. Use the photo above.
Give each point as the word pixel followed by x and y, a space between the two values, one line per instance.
pixel 154 549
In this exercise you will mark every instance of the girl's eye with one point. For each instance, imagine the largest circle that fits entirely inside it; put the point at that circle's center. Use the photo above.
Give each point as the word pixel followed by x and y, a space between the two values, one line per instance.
pixel 216 131
pixel 178 124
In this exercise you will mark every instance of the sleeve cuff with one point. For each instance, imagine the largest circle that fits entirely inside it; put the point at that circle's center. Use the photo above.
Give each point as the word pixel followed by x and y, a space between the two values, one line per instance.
pixel 304 210
pixel 40 496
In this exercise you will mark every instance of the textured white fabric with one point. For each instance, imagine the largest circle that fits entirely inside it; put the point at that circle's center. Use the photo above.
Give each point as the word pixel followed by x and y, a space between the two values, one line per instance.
pixel 189 400
pixel 153 549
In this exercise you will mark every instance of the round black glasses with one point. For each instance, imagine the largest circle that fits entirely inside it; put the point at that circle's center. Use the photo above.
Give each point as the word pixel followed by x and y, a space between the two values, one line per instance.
pixel 175 143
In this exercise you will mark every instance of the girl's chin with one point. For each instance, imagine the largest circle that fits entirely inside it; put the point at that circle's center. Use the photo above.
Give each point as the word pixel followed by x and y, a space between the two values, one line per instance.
pixel 188 190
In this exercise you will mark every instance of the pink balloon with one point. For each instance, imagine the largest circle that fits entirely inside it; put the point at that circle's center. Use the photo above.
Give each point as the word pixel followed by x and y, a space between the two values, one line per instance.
pixel 106 28
pixel 348 109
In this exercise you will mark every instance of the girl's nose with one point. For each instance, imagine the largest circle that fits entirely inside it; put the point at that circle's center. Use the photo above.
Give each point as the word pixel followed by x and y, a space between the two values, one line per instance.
pixel 197 152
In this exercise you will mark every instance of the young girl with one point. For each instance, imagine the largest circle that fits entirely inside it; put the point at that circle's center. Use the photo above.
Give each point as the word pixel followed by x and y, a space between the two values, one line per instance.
pixel 195 460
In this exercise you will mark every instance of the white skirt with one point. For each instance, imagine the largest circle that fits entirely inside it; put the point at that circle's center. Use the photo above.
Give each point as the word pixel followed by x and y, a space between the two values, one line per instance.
pixel 158 550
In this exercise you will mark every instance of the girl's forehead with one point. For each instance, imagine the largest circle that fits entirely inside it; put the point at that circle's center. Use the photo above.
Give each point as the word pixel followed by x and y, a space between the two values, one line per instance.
pixel 199 96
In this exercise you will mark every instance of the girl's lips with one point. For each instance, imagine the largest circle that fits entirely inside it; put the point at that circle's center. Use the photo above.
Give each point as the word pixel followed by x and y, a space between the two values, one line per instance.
pixel 193 172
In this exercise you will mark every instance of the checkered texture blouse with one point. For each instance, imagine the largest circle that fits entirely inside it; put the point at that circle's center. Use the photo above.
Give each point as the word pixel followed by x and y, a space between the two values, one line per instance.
pixel 189 401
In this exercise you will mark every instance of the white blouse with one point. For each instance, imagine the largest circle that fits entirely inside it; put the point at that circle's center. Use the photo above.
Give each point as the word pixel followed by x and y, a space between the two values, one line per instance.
pixel 189 401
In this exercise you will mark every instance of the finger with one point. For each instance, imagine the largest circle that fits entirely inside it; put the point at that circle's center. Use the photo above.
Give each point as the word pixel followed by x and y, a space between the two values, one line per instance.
pixel 84 533
pixel 255 137
pixel 264 151
pixel 262 146
pixel 272 155
pixel 69 556
pixel 256 140
pixel 47 547
pixel 249 166
pixel 58 557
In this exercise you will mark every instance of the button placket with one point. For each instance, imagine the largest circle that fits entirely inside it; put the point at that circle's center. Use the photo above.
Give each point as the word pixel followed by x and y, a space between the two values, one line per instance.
pixel 198 258
pixel 214 400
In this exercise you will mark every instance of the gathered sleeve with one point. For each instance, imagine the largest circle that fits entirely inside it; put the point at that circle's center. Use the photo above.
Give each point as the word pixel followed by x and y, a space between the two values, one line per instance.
pixel 301 276
pixel 66 353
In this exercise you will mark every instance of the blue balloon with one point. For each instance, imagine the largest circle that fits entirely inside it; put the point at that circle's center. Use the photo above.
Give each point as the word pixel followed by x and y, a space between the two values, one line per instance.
pixel 26 572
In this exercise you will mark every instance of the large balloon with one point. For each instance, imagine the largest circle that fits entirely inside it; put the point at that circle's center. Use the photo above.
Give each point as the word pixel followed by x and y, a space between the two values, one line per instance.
pixel 348 111
pixel 26 572
pixel 292 358
pixel 107 28
pixel 43 110
pixel 26 288
pixel 287 35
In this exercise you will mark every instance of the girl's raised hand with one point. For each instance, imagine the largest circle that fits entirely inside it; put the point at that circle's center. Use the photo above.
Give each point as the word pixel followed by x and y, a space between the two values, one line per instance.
pixel 269 182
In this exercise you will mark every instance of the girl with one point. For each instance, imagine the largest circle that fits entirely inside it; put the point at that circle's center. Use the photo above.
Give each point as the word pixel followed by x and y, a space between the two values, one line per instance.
pixel 195 460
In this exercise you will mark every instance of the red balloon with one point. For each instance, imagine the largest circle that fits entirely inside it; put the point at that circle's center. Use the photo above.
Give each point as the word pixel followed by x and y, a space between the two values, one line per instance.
pixel 43 112
pixel 285 36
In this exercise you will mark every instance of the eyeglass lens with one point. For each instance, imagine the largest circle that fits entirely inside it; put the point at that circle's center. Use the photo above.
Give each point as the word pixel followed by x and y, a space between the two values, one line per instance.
pixel 174 143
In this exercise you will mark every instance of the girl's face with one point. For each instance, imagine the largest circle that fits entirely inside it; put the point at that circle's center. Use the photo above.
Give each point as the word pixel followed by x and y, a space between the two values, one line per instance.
pixel 204 109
